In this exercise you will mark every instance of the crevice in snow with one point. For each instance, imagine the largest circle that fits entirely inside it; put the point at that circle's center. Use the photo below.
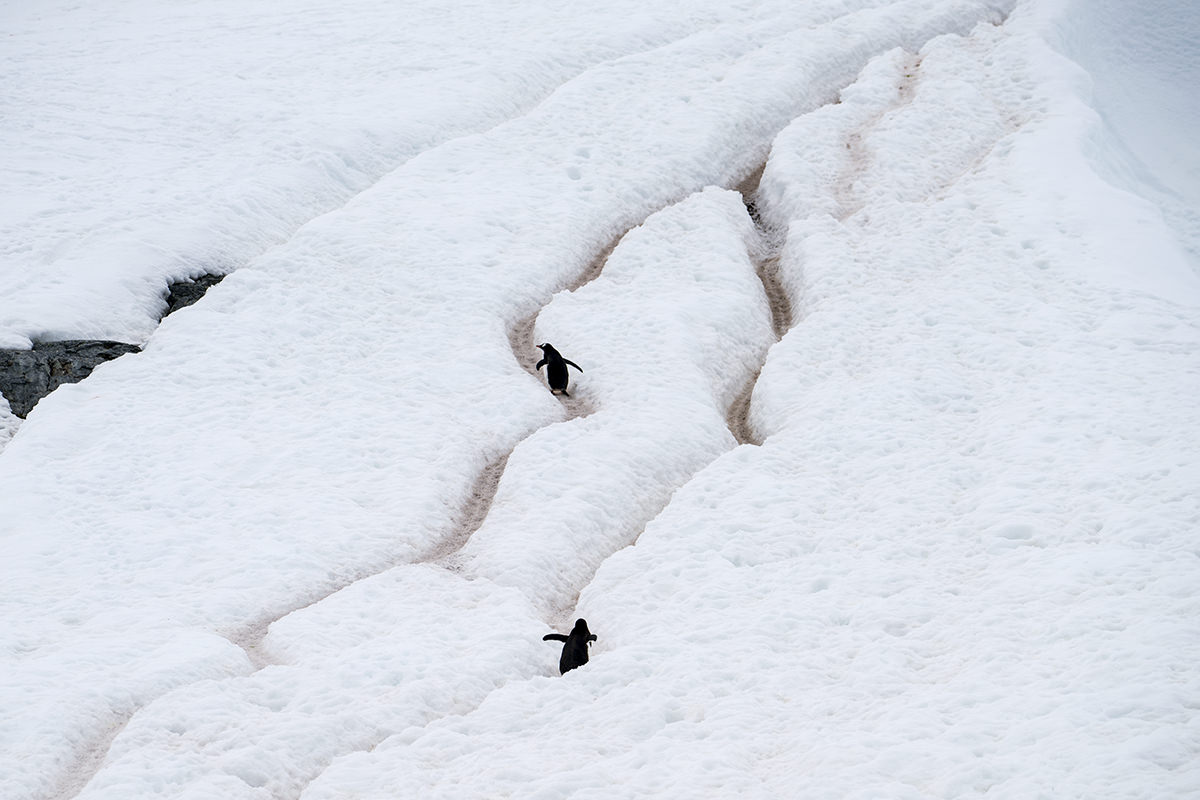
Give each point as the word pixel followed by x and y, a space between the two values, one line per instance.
pixel 766 257
pixel 738 416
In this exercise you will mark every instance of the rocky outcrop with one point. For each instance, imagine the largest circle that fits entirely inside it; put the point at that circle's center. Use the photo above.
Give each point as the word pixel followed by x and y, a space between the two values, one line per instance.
pixel 184 293
pixel 27 376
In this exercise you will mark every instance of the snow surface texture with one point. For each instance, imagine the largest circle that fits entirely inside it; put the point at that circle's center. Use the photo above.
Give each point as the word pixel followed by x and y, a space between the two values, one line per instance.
pixel 306 544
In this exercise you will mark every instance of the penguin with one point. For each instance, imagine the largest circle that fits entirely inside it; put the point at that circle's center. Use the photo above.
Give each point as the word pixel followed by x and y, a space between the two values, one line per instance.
pixel 556 368
pixel 575 651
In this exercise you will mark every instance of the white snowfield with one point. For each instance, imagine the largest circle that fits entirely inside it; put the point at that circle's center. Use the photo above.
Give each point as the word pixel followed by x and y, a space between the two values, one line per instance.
pixel 888 489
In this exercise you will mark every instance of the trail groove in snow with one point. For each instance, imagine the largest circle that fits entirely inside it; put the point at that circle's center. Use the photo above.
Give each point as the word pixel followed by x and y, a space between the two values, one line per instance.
pixel 525 351
pixel 846 190
pixel 862 171
pixel 465 522
pixel 470 517
pixel 766 265
pixel 87 763
pixel 249 639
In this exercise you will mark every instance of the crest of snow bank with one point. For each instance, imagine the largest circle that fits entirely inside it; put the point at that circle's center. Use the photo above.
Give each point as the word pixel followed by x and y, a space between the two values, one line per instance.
pixel 1139 69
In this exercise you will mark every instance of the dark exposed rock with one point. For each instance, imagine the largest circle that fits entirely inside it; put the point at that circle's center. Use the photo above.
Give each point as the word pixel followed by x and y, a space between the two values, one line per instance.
pixel 27 376
pixel 184 293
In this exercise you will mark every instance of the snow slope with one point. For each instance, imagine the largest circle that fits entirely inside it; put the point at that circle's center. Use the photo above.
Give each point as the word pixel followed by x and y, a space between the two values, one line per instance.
pixel 307 542
pixel 159 142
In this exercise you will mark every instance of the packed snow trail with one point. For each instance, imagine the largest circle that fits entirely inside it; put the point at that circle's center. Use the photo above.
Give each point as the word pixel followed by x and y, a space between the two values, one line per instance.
pixel 322 414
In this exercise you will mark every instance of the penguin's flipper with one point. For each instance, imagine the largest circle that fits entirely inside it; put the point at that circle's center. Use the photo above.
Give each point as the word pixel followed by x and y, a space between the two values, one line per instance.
pixel 592 638
pixel 541 364
pixel 573 364
pixel 554 637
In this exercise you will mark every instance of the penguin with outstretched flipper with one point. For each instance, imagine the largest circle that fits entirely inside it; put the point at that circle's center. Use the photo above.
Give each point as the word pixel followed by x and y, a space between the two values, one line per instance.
pixel 556 368
pixel 575 649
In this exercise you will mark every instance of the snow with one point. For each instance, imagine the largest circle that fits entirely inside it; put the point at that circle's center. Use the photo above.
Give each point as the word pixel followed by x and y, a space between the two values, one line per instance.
pixel 195 139
pixel 1140 64
pixel 891 494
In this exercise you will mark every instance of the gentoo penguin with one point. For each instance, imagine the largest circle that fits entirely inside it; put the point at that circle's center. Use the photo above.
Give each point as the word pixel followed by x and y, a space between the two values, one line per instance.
pixel 556 368
pixel 575 651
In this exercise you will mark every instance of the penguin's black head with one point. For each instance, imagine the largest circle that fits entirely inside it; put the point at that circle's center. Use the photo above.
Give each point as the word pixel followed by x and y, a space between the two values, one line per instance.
pixel 545 348
pixel 581 627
